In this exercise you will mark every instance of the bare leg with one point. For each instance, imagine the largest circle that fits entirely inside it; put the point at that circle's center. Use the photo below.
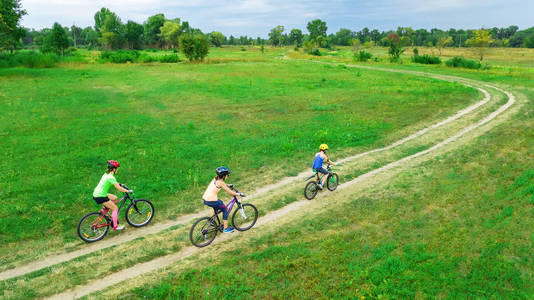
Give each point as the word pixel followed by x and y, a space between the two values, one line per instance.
pixel 114 210
pixel 324 179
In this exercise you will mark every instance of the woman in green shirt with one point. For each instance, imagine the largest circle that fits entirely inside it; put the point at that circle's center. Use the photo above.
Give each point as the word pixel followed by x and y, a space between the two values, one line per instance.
pixel 101 195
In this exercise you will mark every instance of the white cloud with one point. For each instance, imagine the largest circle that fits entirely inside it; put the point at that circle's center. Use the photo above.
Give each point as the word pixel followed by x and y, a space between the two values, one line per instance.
pixel 257 17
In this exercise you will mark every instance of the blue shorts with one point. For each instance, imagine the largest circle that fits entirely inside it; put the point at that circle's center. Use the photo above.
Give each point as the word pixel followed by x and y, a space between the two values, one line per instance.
pixel 218 206
pixel 321 170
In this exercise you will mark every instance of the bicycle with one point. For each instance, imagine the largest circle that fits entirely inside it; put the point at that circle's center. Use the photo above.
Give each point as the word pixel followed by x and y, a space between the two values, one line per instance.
pixel 312 187
pixel 205 229
pixel 95 225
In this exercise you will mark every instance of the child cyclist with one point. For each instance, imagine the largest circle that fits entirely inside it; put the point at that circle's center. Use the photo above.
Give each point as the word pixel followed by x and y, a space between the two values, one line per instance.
pixel 101 195
pixel 212 200
pixel 320 157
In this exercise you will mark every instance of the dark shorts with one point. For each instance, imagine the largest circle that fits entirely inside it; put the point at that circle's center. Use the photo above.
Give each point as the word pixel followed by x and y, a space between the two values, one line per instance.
pixel 321 170
pixel 218 206
pixel 100 200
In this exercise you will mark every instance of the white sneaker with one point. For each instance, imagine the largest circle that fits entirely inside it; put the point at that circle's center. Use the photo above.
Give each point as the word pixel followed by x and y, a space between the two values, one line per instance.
pixel 120 227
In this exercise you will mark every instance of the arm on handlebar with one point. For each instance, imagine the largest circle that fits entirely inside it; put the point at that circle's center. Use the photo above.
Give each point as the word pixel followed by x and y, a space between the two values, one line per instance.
pixel 126 189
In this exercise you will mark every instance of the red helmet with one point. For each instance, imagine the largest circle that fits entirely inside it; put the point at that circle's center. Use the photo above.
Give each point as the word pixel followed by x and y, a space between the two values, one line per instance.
pixel 113 164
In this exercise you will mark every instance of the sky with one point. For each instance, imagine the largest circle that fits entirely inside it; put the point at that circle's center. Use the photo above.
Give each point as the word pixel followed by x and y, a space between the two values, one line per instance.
pixel 257 17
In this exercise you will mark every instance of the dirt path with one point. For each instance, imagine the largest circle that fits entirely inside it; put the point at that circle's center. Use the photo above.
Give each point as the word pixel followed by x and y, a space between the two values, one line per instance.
pixel 164 261
pixel 158 227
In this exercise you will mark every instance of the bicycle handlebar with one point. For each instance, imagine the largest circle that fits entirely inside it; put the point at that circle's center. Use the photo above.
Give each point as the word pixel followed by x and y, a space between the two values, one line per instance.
pixel 231 186
pixel 125 187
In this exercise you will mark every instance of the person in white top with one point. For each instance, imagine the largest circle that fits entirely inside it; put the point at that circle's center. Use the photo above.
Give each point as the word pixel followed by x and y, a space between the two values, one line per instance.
pixel 211 198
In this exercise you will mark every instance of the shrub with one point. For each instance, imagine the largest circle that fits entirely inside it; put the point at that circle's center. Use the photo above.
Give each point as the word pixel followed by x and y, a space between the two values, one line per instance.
pixel 426 59
pixel 119 57
pixel 363 56
pixel 460 62
pixel 171 58
pixel 316 52
pixel 243 49
pixel 145 58
pixel 395 48
pixel 30 59
pixel 194 47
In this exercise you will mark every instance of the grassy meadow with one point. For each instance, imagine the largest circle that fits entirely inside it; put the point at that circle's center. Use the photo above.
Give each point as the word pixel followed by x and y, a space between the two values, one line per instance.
pixel 169 125
pixel 455 226
pixel 458 226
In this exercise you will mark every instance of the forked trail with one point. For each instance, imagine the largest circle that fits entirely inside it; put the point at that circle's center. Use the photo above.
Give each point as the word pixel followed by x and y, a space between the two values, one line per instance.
pixel 160 262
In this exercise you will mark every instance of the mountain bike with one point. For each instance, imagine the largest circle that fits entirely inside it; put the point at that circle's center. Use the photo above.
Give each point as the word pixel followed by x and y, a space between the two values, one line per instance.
pixel 94 226
pixel 204 231
pixel 312 187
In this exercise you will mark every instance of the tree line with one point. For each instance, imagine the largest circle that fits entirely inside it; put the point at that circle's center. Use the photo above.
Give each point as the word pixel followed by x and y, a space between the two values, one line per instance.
pixel 501 37
pixel 110 33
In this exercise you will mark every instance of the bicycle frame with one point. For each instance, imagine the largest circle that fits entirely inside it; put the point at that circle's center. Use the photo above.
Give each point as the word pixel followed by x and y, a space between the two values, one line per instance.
pixel 229 207
pixel 97 223
pixel 316 174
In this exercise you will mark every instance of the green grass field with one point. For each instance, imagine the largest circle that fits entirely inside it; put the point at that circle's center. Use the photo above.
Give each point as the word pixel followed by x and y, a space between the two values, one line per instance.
pixel 171 125
pixel 460 229
pixel 458 226
pixel 454 226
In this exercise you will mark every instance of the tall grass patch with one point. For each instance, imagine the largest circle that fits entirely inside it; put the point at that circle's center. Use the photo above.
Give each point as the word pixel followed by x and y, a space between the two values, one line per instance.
pixel 29 59
pixel 426 59
pixel 460 62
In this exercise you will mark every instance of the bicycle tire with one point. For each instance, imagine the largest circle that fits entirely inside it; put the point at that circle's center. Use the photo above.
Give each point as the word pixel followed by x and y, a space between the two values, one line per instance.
pixel 204 229
pixel 311 189
pixel 244 214
pixel 142 210
pixel 86 230
pixel 332 184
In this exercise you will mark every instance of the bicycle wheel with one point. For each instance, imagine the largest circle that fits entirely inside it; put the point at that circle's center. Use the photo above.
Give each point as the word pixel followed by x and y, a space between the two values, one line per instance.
pixel 139 213
pixel 203 232
pixel 245 217
pixel 93 227
pixel 332 181
pixel 310 191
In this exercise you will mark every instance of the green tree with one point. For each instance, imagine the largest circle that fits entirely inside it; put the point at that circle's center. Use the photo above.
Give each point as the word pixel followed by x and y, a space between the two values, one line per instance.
pixel 186 28
pixel 217 38
pixel 11 33
pixel 170 33
pixel 296 37
pixel 395 47
pixel 317 30
pixel 194 47
pixel 111 32
pixel 100 17
pixel 528 42
pixel 76 33
pixel 344 37
pixel 152 29
pixel 57 41
pixel 356 45
pixel 133 34
pixel 481 41
pixel 442 42
pixel 276 35
pixel 202 47
pixel 89 37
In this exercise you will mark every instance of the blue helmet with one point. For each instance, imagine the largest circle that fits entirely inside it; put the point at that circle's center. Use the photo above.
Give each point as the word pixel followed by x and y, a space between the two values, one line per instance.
pixel 221 171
